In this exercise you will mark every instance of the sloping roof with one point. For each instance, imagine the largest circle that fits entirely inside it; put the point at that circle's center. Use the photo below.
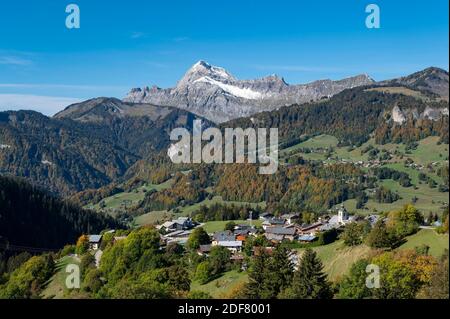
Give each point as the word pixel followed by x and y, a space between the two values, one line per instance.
pixel 167 224
pixel 326 227
pixel 181 220
pixel 334 219
pixel 95 238
pixel 280 230
pixel 178 233
pixel 307 238
pixel 238 232
pixel 274 237
pixel 231 243
pixel 309 227
pixel 224 236
pixel 279 221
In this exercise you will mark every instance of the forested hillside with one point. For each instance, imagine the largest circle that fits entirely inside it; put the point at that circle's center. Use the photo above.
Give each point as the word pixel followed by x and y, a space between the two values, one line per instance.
pixel 30 217
pixel 352 116
pixel 67 156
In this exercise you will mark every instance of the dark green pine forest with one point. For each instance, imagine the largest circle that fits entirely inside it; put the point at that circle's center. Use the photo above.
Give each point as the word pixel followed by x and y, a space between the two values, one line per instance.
pixel 31 217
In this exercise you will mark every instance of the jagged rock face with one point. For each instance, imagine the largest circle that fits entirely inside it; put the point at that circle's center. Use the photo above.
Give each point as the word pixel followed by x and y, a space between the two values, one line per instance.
pixel 215 94
pixel 400 116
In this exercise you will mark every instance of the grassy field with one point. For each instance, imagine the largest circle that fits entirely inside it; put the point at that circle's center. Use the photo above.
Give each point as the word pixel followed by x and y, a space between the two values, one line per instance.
pixel 158 216
pixel 320 141
pixel 221 286
pixel 185 211
pixel 429 151
pixel 338 258
pixel 437 242
pixel 153 218
pixel 428 199
pixel 401 90
pixel 129 199
pixel 56 287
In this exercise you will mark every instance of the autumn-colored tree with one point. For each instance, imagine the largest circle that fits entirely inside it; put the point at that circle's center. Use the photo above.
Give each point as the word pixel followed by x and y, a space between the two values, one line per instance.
pixel 82 244
pixel 423 266
pixel 398 280
pixel 437 287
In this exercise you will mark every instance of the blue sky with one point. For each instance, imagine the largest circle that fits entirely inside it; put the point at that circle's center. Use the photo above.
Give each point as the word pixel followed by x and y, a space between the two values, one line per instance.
pixel 45 66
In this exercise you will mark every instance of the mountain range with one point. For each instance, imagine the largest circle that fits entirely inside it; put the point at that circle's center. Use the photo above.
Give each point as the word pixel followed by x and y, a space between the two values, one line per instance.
pixel 214 93
pixel 103 140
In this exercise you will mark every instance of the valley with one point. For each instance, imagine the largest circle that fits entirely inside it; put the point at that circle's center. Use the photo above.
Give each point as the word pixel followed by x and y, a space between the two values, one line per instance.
pixel 362 177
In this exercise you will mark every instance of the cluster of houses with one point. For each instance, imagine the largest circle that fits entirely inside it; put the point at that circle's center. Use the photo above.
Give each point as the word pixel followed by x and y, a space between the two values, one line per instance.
pixel 287 227
pixel 177 230
pixel 276 229
pixel 233 240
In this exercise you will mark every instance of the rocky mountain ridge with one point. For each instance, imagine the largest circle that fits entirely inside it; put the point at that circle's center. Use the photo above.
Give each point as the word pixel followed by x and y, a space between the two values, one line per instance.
pixel 214 93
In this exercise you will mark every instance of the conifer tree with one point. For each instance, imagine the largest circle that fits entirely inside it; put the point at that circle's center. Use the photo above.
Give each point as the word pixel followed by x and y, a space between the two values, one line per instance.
pixel 309 282
pixel 255 285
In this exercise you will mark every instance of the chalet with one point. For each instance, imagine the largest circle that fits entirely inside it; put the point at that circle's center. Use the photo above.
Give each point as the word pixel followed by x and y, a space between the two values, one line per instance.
pixel 241 232
pixel 309 229
pixel 182 223
pixel 179 236
pixel 222 236
pixel 244 231
pixel 280 233
pixel 94 241
pixel 273 222
pixel 234 246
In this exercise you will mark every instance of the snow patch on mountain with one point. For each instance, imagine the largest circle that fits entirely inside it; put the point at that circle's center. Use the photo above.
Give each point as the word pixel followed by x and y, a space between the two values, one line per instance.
pixel 215 94
pixel 233 90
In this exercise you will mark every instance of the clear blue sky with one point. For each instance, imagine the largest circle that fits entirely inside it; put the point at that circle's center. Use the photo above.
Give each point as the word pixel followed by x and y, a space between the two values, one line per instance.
pixel 136 43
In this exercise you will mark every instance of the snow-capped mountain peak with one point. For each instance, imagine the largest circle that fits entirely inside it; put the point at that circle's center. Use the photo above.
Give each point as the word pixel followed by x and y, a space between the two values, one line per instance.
pixel 214 93
pixel 204 69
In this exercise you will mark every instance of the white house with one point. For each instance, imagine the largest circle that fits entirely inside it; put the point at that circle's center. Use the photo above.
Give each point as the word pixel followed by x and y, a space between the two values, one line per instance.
pixel 94 241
